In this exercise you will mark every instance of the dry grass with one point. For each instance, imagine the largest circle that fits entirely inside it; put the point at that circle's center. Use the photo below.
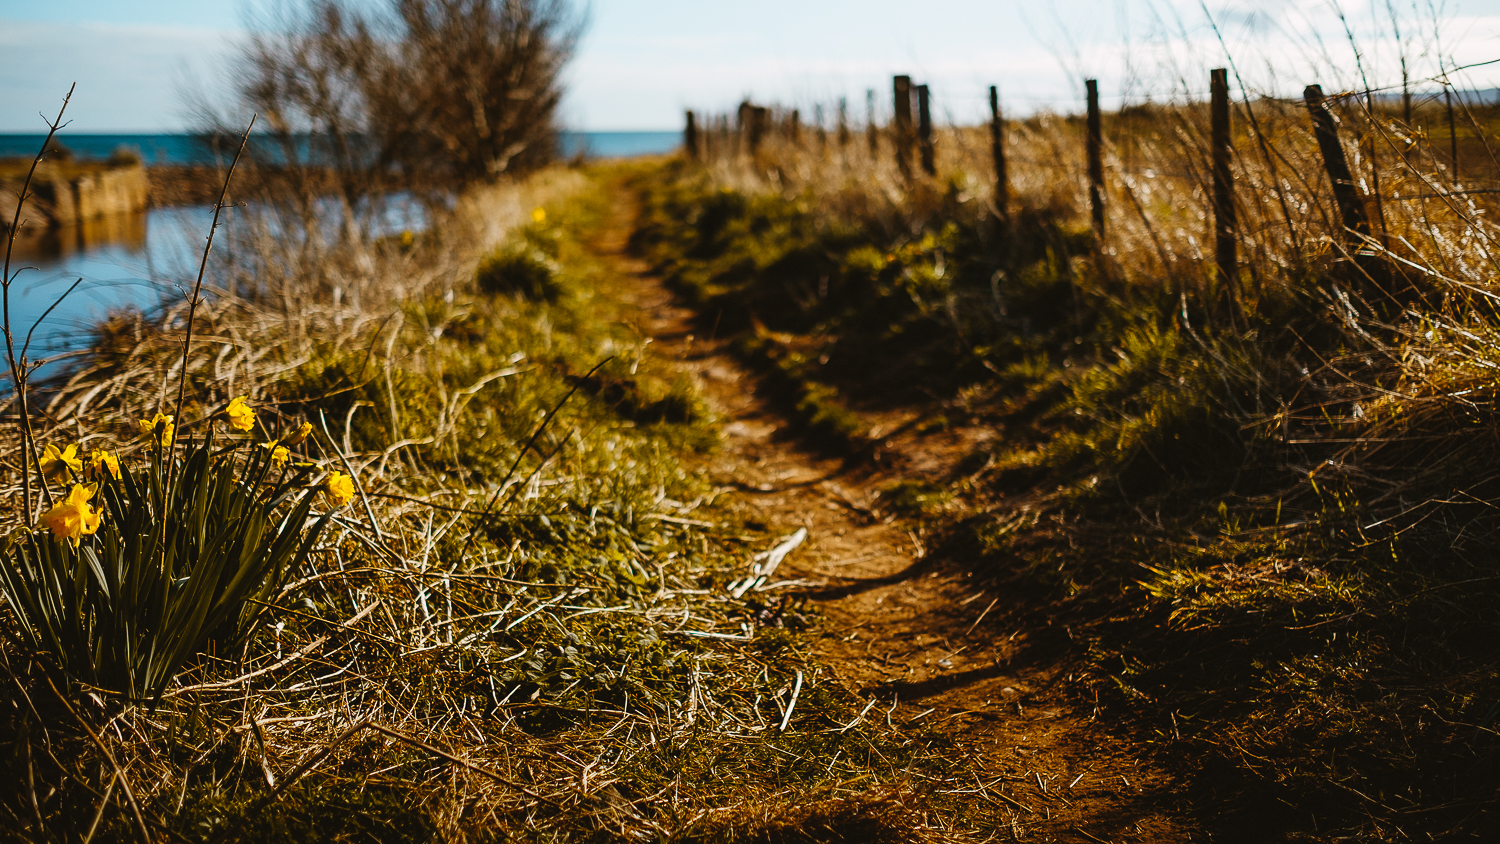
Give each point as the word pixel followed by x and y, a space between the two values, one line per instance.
pixel 516 630
pixel 1261 508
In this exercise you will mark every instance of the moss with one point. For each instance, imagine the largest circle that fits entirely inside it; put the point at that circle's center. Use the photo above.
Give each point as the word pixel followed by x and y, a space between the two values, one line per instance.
pixel 915 498
pixel 320 809
pixel 819 411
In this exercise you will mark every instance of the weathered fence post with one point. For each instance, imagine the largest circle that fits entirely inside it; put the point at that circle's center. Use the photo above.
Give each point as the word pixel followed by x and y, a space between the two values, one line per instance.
pixel 924 131
pixel 872 135
pixel 1351 207
pixel 1372 155
pixel 754 121
pixel 902 86
pixel 1405 95
pixel 743 118
pixel 1223 149
pixel 1452 127
pixel 690 137
pixel 843 122
pixel 997 149
pixel 794 127
pixel 1096 157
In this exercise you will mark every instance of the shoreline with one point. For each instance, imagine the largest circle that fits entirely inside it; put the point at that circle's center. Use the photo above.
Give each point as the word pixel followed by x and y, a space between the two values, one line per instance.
pixel 172 185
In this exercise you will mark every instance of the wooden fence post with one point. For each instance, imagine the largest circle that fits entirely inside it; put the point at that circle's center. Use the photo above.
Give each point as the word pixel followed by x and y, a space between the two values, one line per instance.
pixel 997 148
pixel 1096 158
pixel 1452 130
pixel 743 118
pixel 690 137
pixel 1372 155
pixel 754 121
pixel 1223 148
pixel 1405 95
pixel 843 122
pixel 1351 207
pixel 902 86
pixel 924 131
pixel 872 135
pixel 794 127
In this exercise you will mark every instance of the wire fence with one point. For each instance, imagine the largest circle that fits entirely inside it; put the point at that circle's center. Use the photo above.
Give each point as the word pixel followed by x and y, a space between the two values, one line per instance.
pixel 1273 187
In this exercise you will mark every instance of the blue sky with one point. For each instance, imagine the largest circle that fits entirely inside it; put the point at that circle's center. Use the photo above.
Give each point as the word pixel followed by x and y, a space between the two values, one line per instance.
pixel 643 61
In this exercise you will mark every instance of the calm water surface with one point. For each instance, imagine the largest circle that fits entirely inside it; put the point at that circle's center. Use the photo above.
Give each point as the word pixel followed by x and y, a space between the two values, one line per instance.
pixel 145 260
pixel 182 149
pixel 131 261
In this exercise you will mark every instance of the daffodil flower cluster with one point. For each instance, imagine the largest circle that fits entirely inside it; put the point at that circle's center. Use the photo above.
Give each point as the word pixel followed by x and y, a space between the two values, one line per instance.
pixel 76 516
pixel 175 545
pixel 281 449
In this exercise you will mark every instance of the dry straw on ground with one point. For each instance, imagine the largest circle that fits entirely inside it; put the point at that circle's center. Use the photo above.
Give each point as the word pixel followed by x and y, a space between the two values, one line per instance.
pixel 517 627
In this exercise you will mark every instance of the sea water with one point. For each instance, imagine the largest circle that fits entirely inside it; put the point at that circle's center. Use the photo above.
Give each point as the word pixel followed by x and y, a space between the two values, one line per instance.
pixel 184 149
pixel 150 260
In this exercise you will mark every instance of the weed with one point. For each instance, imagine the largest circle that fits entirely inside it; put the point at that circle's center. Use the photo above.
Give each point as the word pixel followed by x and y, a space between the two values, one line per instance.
pixel 521 272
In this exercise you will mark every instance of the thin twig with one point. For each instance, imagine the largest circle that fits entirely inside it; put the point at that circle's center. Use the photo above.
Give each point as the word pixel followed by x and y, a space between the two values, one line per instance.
pixel 786 718
pixel 364 499
pixel 45 314
pixel 474 530
pixel 17 375
pixel 135 808
pixel 187 342
pixel 416 742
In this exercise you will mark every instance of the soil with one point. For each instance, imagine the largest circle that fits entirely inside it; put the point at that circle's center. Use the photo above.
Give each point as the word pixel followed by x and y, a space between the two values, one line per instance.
pixel 900 629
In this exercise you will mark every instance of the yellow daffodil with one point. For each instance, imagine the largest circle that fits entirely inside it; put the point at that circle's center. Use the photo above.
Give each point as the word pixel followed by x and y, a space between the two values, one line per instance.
pixel 103 462
pixel 75 517
pixel 159 428
pixel 338 488
pixel 280 454
pixel 539 214
pixel 241 414
pixel 296 437
pixel 55 463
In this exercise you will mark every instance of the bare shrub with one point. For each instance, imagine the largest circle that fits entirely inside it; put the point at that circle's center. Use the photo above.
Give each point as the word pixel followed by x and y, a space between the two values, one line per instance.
pixel 427 96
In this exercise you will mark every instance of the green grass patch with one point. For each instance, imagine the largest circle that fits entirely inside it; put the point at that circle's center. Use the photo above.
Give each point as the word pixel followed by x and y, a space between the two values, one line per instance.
pixel 1263 527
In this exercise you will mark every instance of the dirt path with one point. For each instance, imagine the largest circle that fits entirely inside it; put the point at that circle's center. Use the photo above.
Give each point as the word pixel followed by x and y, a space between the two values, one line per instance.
pixel 903 632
